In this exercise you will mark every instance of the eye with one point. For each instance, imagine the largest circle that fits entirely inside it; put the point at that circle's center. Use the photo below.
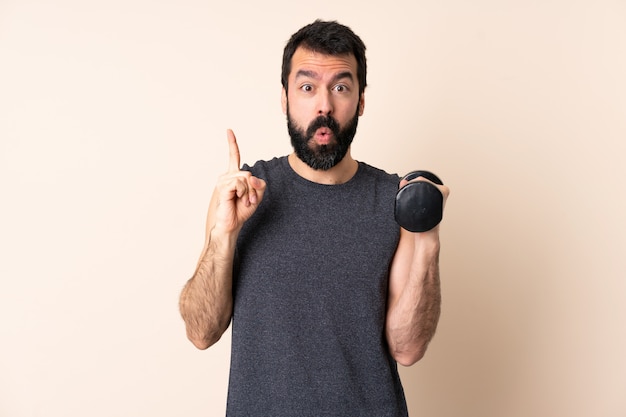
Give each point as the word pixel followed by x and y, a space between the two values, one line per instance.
pixel 306 88
pixel 341 88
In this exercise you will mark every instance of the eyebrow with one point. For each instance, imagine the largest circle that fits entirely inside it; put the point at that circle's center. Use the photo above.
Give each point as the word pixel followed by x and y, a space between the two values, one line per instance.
pixel 315 75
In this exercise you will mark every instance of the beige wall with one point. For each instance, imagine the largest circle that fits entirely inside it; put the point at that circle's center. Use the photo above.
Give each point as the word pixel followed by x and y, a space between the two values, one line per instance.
pixel 112 131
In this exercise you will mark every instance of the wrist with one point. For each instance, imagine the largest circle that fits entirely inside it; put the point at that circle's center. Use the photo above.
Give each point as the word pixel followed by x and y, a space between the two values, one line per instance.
pixel 427 242
pixel 223 237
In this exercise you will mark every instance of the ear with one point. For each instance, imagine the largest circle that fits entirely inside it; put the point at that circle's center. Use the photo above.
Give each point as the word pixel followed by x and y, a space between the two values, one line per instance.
pixel 283 100
pixel 362 104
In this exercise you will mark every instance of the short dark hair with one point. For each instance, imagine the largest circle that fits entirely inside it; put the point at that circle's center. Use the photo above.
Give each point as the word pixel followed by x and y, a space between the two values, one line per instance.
pixel 329 38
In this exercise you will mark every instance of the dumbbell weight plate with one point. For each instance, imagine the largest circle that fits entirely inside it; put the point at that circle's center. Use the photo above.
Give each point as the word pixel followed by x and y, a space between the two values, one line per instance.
pixel 419 205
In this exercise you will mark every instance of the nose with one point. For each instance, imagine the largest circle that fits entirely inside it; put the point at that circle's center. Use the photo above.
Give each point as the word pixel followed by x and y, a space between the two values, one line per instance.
pixel 324 104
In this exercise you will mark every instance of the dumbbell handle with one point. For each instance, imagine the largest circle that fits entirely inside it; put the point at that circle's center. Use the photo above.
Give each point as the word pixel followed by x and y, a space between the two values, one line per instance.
pixel 419 204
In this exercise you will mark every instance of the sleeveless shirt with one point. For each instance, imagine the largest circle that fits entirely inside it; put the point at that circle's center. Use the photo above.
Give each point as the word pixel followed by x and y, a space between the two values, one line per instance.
pixel 310 291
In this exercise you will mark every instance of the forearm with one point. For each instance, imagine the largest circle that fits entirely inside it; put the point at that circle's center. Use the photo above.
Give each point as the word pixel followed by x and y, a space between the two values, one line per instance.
pixel 415 303
pixel 206 300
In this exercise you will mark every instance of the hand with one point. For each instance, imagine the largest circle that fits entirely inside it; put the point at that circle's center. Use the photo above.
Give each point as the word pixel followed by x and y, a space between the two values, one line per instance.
pixel 237 193
pixel 420 201
pixel 445 191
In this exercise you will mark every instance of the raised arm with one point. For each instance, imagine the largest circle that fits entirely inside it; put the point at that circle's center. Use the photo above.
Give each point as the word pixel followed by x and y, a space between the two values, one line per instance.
pixel 206 301
pixel 414 301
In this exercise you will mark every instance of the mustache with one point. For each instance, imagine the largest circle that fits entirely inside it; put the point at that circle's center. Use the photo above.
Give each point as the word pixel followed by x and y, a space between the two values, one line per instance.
pixel 323 121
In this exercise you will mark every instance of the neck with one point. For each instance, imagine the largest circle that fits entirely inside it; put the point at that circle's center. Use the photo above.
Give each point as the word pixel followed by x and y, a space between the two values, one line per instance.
pixel 339 174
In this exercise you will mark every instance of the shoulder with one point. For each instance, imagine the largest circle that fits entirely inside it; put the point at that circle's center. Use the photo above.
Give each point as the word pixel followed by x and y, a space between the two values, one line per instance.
pixel 266 169
pixel 379 176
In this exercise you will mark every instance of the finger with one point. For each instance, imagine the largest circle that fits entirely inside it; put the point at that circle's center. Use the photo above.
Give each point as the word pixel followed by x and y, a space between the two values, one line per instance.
pixel 404 182
pixel 257 186
pixel 233 150
pixel 241 188
pixel 423 179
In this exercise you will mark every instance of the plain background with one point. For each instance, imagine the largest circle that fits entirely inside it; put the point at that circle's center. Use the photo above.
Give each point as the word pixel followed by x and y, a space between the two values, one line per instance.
pixel 112 133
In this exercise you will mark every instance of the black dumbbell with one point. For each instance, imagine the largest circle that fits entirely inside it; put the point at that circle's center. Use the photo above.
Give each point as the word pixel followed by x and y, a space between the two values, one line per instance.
pixel 419 204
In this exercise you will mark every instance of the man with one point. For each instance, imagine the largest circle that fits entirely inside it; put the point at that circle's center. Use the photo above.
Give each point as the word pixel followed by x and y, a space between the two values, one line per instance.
pixel 325 291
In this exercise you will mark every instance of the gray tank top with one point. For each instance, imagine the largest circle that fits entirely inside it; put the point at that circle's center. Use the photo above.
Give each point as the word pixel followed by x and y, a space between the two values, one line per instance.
pixel 310 291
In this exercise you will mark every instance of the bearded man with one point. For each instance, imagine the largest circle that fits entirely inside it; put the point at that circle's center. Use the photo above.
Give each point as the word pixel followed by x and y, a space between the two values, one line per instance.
pixel 325 292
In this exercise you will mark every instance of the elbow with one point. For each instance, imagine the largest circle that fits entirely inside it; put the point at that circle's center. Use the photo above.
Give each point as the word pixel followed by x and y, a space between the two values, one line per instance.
pixel 203 337
pixel 408 344
pixel 203 342
pixel 200 344
pixel 406 348
pixel 408 358
pixel 204 332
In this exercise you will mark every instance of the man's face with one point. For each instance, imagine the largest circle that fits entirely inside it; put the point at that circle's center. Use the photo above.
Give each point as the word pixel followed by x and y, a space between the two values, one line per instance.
pixel 322 106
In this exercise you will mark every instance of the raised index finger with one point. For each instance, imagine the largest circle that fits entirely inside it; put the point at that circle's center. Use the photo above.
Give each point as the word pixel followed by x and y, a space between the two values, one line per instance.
pixel 233 151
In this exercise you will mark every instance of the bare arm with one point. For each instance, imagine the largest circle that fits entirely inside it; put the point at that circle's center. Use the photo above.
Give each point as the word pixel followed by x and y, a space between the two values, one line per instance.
pixel 206 300
pixel 414 302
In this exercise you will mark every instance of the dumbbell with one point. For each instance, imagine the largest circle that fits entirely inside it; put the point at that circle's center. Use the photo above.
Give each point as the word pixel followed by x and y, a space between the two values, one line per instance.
pixel 419 204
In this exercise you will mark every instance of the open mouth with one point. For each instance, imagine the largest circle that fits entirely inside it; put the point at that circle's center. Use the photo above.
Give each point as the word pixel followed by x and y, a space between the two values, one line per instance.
pixel 323 136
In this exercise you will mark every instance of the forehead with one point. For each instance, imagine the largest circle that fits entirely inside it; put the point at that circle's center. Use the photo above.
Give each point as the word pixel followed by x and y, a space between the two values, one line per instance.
pixel 306 60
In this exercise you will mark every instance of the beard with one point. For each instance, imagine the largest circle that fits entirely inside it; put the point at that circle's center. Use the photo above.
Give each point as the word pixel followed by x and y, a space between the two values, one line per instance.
pixel 322 157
